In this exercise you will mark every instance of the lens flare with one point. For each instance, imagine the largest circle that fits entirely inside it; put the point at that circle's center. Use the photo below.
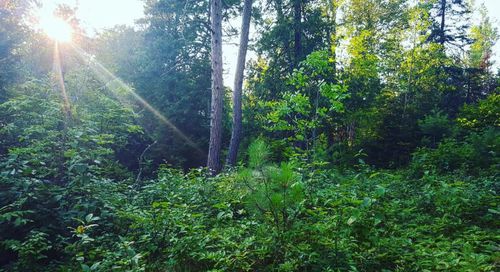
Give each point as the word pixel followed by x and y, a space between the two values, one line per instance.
pixel 116 84
pixel 56 28
pixel 60 81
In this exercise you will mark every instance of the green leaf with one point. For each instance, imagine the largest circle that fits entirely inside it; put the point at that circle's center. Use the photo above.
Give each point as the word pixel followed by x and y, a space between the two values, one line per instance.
pixel 94 266
pixel 85 268
pixel 493 211
pixel 379 191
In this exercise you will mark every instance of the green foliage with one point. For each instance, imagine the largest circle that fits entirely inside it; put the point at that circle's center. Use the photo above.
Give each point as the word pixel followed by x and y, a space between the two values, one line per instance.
pixel 339 89
pixel 13 32
pixel 302 116
pixel 274 192
pixel 31 252
pixel 45 152
pixel 265 217
pixel 42 144
pixel 258 154
pixel 477 151
pixel 435 127
pixel 484 114
pixel 484 37
pixel 473 149
pixel 173 76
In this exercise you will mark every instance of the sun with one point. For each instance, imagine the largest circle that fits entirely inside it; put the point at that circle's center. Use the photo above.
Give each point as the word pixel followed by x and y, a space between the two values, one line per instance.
pixel 56 28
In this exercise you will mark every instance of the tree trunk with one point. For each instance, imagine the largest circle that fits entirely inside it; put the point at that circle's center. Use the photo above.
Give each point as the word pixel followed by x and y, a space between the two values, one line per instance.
pixel 280 19
pixel 332 33
pixel 297 25
pixel 214 149
pixel 238 84
pixel 442 29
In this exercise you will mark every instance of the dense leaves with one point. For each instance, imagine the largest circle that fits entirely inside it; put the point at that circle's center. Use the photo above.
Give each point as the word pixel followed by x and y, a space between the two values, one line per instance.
pixel 370 141
pixel 266 217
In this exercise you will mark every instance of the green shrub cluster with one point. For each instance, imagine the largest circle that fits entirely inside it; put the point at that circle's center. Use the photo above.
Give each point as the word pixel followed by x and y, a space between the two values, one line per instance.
pixel 67 203
pixel 470 145
pixel 267 217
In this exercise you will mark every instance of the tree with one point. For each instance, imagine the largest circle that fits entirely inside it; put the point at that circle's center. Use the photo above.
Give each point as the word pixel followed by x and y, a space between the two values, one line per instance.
pixel 480 80
pixel 297 30
pixel 288 32
pixel 280 53
pixel 451 22
pixel 166 61
pixel 302 117
pixel 12 33
pixel 238 84
pixel 214 148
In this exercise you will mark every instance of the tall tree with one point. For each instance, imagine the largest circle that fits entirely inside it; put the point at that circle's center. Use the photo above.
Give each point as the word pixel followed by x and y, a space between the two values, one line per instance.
pixel 297 29
pixel 238 84
pixel 167 62
pixel 480 80
pixel 214 148
pixel 13 30
pixel 289 31
pixel 451 22
pixel 484 35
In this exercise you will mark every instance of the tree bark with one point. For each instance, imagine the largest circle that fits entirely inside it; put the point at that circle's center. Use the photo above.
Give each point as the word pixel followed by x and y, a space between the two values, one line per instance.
pixel 297 25
pixel 280 20
pixel 332 33
pixel 442 30
pixel 214 149
pixel 238 85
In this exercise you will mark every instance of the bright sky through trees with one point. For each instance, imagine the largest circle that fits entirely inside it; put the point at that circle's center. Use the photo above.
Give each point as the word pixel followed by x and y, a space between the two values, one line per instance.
pixel 99 14
pixel 56 28
pixel 96 15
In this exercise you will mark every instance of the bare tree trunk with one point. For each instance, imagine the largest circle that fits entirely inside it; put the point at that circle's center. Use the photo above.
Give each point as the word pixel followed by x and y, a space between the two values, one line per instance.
pixel 280 19
pixel 332 32
pixel 297 25
pixel 442 27
pixel 214 149
pixel 238 84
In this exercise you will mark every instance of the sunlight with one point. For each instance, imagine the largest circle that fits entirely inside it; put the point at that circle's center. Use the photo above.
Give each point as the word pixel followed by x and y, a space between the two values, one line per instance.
pixel 115 84
pixel 56 28
pixel 60 80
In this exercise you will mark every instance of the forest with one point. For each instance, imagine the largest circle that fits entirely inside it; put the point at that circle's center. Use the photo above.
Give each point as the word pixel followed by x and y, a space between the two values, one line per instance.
pixel 357 135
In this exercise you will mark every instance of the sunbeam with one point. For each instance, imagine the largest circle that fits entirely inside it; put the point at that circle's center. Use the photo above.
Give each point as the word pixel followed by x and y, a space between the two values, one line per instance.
pixel 105 76
pixel 56 28
pixel 60 80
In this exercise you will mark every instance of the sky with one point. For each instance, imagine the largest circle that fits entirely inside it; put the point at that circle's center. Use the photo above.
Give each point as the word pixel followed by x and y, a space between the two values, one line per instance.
pixel 493 7
pixel 96 15
pixel 99 14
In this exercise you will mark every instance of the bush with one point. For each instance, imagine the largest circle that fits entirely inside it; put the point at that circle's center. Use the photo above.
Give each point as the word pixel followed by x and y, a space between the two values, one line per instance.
pixel 479 151
pixel 262 218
